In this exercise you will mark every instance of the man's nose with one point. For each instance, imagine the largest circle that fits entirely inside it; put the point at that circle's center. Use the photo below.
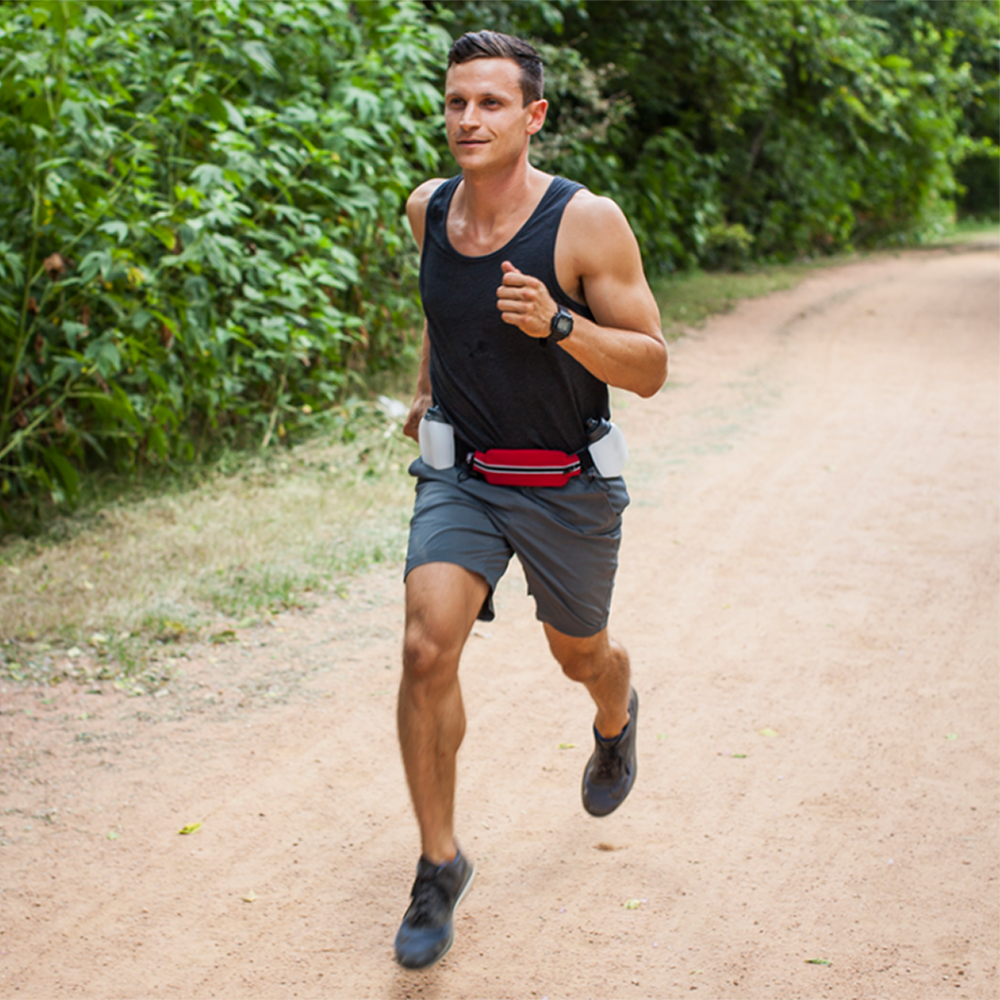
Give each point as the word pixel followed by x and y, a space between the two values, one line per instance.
pixel 470 118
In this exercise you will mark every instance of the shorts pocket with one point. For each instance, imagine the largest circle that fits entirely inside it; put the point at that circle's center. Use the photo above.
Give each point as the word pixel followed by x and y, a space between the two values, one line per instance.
pixel 616 494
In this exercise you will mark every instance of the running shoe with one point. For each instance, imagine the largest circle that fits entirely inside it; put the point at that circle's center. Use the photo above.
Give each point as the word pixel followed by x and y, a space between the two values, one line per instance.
pixel 610 772
pixel 428 927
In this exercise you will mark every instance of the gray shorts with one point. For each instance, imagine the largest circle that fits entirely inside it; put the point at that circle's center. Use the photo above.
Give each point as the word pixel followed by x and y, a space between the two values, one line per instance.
pixel 566 539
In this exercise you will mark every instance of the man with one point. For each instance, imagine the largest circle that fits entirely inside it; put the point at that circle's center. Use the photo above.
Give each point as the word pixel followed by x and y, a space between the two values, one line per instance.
pixel 535 302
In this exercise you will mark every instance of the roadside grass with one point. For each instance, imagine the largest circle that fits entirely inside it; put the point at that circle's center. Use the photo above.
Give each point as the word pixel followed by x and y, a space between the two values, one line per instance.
pixel 688 298
pixel 970 230
pixel 116 589
pixel 113 591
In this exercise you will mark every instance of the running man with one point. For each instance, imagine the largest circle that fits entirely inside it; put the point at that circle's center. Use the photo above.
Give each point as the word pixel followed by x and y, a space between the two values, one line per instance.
pixel 535 302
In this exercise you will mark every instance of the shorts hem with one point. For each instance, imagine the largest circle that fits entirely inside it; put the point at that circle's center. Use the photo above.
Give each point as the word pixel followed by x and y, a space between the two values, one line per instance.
pixel 574 634
pixel 486 612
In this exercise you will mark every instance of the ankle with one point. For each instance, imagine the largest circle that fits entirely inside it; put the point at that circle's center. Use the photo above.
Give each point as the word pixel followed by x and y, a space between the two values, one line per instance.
pixel 441 853
pixel 609 728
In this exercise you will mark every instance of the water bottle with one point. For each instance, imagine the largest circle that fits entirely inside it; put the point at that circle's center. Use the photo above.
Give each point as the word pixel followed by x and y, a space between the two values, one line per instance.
pixel 607 447
pixel 437 440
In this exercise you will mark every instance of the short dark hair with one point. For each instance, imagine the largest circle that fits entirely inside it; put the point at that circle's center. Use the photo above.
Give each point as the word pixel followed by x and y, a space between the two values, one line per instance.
pixel 493 45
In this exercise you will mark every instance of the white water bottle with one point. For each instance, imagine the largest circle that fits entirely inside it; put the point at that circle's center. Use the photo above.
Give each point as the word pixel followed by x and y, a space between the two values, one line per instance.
pixel 437 440
pixel 607 447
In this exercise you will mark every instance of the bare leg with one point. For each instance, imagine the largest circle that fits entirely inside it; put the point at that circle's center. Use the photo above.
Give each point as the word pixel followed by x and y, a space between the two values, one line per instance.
pixel 602 666
pixel 442 601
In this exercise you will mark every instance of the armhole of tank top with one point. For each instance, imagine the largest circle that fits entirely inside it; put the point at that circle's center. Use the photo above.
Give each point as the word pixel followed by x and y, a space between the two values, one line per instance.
pixel 570 302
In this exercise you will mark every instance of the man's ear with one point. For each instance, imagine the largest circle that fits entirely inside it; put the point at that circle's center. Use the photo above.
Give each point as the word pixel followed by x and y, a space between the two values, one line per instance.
pixel 537 111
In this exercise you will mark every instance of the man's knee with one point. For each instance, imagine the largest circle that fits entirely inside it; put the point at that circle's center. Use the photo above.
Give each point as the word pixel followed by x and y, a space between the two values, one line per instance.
pixel 426 657
pixel 581 659
pixel 442 601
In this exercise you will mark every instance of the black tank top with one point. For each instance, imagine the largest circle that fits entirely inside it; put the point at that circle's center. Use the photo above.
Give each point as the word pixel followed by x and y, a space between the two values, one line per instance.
pixel 498 387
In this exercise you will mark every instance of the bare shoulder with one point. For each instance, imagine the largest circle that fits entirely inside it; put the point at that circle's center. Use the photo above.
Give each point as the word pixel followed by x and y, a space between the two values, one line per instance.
pixel 586 205
pixel 597 232
pixel 422 194
pixel 597 252
pixel 416 206
pixel 417 202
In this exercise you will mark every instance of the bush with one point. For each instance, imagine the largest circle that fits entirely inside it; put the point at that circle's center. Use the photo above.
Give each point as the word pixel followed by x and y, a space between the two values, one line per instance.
pixel 200 220
pixel 813 126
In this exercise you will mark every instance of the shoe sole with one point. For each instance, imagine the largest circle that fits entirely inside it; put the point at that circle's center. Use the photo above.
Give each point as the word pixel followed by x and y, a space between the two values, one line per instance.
pixel 451 940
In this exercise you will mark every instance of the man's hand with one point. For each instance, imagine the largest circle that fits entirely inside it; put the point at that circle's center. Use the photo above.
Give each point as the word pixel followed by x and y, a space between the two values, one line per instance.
pixel 421 404
pixel 525 302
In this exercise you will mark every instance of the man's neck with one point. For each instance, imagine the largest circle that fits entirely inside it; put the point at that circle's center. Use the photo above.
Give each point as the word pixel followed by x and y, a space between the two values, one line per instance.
pixel 490 197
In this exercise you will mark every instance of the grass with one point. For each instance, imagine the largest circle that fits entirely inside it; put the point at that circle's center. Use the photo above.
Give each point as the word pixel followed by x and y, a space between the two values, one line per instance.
pixel 121 584
pixel 688 298
pixel 970 231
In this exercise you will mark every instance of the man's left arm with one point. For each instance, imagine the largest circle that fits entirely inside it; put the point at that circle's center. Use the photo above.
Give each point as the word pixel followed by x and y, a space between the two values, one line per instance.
pixel 623 346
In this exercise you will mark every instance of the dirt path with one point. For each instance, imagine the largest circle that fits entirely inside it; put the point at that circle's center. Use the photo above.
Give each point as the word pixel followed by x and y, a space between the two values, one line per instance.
pixel 809 591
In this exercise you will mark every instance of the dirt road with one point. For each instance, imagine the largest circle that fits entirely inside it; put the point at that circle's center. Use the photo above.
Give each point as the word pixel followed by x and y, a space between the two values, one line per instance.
pixel 809 592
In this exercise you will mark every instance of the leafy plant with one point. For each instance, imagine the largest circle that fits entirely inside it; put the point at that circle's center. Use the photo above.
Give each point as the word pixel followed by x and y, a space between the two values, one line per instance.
pixel 200 221
pixel 201 235
pixel 757 131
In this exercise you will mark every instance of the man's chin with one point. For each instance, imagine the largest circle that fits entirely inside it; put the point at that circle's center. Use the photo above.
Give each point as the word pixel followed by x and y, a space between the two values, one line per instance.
pixel 473 161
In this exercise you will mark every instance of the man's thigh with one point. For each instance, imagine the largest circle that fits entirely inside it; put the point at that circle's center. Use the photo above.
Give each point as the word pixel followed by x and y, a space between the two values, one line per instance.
pixel 442 601
pixel 567 541
pixel 453 524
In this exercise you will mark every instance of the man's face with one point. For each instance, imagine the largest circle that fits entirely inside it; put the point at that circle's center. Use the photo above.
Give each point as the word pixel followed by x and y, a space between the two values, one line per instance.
pixel 487 122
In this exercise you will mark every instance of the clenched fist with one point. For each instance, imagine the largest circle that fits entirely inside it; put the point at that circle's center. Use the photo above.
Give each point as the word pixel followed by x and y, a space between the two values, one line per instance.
pixel 525 302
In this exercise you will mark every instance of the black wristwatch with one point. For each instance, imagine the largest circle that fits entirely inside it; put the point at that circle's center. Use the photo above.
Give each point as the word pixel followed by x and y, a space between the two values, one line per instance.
pixel 561 325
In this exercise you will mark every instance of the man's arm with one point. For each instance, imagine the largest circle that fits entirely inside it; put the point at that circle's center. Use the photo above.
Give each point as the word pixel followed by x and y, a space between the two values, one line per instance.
pixel 624 345
pixel 416 213
pixel 423 397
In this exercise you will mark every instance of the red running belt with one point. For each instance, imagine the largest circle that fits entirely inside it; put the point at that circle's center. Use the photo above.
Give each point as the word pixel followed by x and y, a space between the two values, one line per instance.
pixel 526 466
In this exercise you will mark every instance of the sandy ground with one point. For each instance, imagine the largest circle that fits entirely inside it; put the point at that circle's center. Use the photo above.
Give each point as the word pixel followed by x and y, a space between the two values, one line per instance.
pixel 809 592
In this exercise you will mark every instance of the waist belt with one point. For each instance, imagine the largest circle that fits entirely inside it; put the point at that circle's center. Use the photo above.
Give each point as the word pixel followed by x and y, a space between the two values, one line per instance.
pixel 526 466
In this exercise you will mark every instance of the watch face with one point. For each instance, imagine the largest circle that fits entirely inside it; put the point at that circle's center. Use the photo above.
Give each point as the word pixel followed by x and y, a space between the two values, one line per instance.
pixel 562 324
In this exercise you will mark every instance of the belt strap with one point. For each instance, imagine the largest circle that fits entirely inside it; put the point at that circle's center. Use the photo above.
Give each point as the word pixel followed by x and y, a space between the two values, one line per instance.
pixel 525 466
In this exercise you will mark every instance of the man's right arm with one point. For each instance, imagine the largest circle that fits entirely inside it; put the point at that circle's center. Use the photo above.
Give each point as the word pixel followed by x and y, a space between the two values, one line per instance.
pixel 423 397
pixel 416 213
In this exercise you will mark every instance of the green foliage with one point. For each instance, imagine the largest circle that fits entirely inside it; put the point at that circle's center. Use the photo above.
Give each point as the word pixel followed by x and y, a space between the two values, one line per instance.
pixel 972 30
pixel 200 220
pixel 201 235
pixel 768 130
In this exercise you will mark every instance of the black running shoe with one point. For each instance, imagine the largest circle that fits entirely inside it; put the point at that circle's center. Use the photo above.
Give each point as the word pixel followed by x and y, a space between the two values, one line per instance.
pixel 428 928
pixel 610 772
